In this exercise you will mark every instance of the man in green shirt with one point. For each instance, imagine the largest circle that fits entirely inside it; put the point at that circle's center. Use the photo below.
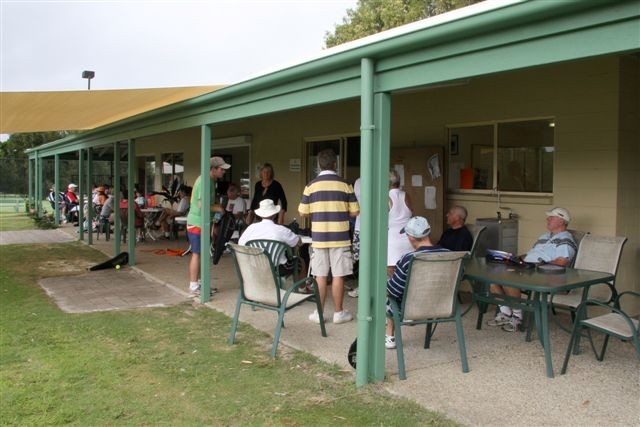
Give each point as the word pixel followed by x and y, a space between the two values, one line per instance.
pixel 194 219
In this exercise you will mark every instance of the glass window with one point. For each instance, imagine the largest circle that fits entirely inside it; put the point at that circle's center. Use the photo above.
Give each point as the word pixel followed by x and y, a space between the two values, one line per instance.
pixel 172 167
pixel 507 156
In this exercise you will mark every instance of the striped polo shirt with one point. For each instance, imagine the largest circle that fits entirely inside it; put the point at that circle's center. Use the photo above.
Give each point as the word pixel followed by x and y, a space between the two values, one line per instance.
pixel 329 200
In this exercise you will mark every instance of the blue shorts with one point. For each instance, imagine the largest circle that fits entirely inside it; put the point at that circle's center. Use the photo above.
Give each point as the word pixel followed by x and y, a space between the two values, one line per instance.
pixel 194 241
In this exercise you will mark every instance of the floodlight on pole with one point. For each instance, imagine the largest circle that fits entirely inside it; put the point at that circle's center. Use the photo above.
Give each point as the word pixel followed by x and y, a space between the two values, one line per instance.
pixel 88 75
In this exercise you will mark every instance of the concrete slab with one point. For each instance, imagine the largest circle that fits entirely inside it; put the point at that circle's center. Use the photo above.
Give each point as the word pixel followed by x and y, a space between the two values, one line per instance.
pixel 506 385
pixel 107 290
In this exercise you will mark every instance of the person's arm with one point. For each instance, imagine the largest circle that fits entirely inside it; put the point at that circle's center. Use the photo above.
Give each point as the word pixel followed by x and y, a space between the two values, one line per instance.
pixel 560 261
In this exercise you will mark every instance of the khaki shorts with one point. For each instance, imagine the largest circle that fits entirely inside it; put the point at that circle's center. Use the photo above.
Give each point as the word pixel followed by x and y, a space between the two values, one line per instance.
pixel 339 260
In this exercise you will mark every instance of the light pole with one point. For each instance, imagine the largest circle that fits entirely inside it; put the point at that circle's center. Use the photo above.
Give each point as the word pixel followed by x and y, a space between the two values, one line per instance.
pixel 88 75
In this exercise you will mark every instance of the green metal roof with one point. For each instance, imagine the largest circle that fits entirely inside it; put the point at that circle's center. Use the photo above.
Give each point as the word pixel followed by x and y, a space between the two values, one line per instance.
pixel 489 37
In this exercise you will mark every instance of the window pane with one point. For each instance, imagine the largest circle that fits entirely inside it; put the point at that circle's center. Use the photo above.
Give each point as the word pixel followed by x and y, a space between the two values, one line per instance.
pixel 172 168
pixel 525 156
pixel 471 157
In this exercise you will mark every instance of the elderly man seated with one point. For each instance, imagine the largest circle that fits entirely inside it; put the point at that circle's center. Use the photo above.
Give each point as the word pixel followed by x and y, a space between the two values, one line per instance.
pixel 168 214
pixel 457 237
pixel 268 229
pixel 556 246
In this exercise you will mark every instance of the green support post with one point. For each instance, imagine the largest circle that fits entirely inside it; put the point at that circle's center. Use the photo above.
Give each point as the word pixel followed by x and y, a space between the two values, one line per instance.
pixel 56 188
pixel 39 185
pixel 84 194
pixel 31 184
pixel 375 143
pixel 380 162
pixel 90 205
pixel 366 208
pixel 131 150
pixel 116 197
pixel 205 197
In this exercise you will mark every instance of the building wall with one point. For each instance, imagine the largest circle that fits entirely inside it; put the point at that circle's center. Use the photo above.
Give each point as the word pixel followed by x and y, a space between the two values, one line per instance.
pixel 595 106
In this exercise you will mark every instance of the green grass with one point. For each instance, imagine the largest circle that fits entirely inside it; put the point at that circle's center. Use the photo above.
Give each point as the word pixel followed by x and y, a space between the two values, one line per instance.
pixel 162 366
pixel 16 221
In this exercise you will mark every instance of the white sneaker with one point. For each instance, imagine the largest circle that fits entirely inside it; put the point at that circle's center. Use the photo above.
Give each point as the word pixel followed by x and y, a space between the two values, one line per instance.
pixel 194 291
pixel 342 317
pixel 315 317
pixel 389 342
pixel 354 293
pixel 499 320
pixel 513 325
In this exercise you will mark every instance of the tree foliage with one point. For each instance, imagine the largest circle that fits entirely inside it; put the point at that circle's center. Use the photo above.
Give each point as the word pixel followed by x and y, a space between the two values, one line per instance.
pixel 14 160
pixel 372 16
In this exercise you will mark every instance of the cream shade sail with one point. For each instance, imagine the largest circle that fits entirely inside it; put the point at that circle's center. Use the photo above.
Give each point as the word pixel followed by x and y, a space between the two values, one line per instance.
pixel 81 110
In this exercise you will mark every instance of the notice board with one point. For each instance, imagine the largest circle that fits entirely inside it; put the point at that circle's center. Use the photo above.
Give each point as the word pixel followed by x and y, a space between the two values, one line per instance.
pixel 422 176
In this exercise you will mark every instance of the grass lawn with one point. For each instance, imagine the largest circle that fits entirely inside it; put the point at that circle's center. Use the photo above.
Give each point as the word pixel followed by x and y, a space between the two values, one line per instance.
pixel 160 366
pixel 10 221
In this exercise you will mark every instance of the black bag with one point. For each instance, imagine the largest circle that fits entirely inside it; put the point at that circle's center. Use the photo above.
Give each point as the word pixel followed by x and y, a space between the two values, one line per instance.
pixel 353 350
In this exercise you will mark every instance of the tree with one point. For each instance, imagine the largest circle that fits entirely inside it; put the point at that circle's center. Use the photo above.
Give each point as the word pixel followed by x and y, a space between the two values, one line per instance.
pixel 373 16
pixel 14 160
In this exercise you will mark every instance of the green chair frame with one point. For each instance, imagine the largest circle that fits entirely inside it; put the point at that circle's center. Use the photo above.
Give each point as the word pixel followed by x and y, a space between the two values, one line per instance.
pixel 260 287
pixel 616 323
pixel 599 253
pixel 275 249
pixel 430 298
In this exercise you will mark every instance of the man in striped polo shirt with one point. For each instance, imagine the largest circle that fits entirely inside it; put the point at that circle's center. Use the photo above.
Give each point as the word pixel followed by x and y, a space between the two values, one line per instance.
pixel 330 201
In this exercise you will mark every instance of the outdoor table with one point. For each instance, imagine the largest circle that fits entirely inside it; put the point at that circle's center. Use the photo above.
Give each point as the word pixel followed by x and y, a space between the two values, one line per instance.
pixel 541 284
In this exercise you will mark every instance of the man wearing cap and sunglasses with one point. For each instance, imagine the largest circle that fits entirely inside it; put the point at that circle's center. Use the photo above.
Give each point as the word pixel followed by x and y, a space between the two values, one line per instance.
pixel 556 246
pixel 417 231
pixel 194 219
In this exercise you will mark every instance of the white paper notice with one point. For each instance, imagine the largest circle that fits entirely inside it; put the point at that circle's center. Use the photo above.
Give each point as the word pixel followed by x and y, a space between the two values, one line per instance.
pixel 416 180
pixel 430 197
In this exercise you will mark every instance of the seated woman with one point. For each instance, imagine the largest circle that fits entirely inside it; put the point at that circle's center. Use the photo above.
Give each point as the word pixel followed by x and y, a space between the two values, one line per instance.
pixel 168 214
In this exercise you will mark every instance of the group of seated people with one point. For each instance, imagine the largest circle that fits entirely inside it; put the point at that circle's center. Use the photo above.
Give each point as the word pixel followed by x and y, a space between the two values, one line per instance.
pixel 68 203
pixel 555 246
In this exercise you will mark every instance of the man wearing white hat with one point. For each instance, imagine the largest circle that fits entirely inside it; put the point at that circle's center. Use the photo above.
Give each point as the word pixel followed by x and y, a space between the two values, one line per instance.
pixel 556 246
pixel 269 230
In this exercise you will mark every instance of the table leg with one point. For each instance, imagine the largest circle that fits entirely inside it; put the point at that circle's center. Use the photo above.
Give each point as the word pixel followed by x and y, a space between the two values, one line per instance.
pixel 482 306
pixel 544 318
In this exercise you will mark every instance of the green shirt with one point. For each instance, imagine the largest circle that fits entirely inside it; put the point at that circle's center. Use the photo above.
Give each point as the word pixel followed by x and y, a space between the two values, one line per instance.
pixel 195 218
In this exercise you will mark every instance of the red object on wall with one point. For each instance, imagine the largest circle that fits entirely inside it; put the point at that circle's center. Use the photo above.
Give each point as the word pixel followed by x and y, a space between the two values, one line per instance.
pixel 466 178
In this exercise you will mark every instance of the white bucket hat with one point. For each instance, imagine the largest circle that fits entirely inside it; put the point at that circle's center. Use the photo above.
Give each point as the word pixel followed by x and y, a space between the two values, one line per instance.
pixel 267 209
pixel 560 213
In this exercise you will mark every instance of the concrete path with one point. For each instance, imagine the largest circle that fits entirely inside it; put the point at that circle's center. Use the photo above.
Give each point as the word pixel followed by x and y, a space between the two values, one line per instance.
pixel 35 236
pixel 506 385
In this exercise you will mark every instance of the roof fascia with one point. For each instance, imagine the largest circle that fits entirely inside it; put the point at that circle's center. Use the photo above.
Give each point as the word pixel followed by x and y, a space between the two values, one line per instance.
pixel 429 34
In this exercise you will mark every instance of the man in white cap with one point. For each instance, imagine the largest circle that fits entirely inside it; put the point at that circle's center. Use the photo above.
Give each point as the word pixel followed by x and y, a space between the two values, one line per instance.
pixel 71 202
pixel 556 246
pixel 417 231
pixel 269 230
pixel 194 219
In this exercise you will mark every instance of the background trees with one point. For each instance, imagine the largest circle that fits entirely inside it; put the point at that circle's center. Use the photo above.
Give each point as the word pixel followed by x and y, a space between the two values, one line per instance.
pixel 372 16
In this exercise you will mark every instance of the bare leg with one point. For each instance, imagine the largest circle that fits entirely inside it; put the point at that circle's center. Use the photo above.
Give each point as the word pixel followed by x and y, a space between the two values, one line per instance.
pixel 322 289
pixel 194 267
pixel 337 292
pixel 389 327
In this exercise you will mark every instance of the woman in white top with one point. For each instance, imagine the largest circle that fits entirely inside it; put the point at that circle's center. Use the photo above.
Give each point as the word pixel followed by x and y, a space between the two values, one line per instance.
pixel 399 213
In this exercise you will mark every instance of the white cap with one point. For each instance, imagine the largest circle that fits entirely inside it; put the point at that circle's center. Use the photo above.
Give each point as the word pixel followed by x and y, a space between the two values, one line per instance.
pixel 560 213
pixel 417 227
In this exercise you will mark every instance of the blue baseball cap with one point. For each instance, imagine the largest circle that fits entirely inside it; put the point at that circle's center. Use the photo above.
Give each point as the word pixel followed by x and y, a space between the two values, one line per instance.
pixel 417 227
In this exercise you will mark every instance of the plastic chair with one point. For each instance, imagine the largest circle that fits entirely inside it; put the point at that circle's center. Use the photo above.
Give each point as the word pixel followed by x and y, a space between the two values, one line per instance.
pixel 430 298
pixel 476 232
pixel 616 324
pixel 276 249
pixel 260 287
pixel 599 253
